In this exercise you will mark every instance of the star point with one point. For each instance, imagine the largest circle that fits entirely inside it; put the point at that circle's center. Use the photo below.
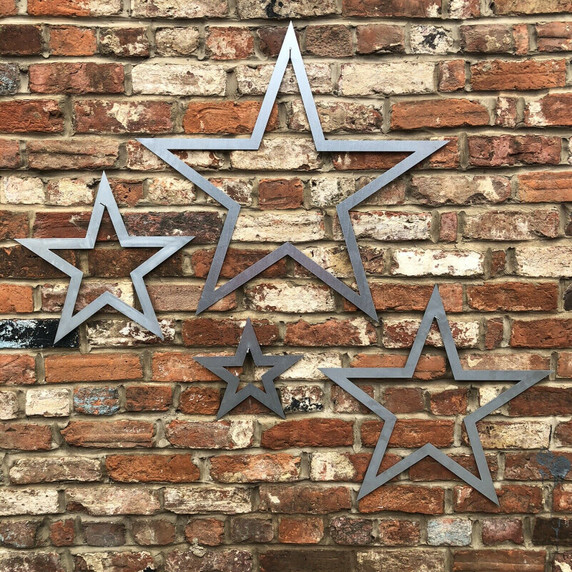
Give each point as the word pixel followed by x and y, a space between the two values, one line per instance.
pixel 165 148
pixel 233 396
pixel 44 248
pixel 435 311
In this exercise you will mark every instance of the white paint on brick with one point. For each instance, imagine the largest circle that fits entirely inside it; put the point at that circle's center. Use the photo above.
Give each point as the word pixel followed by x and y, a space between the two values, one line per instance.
pixel 240 433
pixel 308 367
pixel 279 227
pixel 285 297
pixel 391 78
pixel 179 79
pixel 22 191
pixel 48 402
pixel 8 405
pixel 544 261
pixel 187 500
pixel 417 262
pixel 171 191
pixel 279 154
pixel 110 500
pixel 449 532
pixel 28 501
pixel 431 40
pixel 515 434
pixel 66 192
pixel 331 466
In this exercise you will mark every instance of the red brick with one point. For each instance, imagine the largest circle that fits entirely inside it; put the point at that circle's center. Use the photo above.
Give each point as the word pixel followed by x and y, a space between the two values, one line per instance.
pixel 548 333
pixel 20 40
pixel 280 193
pixel 229 43
pixel 68 154
pixel 430 470
pixel 148 398
pixel 300 530
pixel 25 436
pixel 411 433
pixel 563 433
pixel 93 367
pixel 109 434
pixel 452 76
pixel 17 369
pixel 403 399
pixel 512 499
pixel 178 366
pixel 308 433
pixel 490 38
pixel 414 297
pixel 236 261
pixel 200 400
pixel 98 116
pixel 271 39
pixel 303 499
pixel 323 559
pixel 523 75
pixel 329 41
pixel 38 562
pixel 404 498
pixel 498 560
pixel 551 110
pixel 513 296
pixel 391 8
pixel 153 532
pixel 248 529
pixel 88 77
pixel 152 468
pixel 380 38
pixel 9 154
pixel 15 298
pixel 42 116
pixel 507 150
pixel 72 41
pixel 545 187
pixel 205 531
pixel 428 367
pixel 103 533
pixel 8 7
pixel 537 466
pixel 210 435
pixel 72 8
pixel 227 117
pixel 18 534
pixel 541 400
pixel 332 332
pixel 562 498
pixel 267 467
pixel 209 332
pixel 438 113
pixel 399 532
pixel 554 37
pixel 352 531
pixel 499 530
pixel 449 402
pixel 531 6
pixel 564 368
pixel 62 532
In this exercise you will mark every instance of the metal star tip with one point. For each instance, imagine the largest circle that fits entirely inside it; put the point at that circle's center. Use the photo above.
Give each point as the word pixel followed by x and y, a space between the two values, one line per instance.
pixel 44 248
pixel 483 483
pixel 232 396
pixel 419 150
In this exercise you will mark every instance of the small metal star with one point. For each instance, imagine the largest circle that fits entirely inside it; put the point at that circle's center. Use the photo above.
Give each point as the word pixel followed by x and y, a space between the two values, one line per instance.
pixel 43 247
pixel 483 483
pixel 419 150
pixel 249 344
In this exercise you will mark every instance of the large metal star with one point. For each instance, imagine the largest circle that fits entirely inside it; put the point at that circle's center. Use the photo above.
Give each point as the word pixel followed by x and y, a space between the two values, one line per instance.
pixel 483 483
pixel 290 52
pixel 43 247
pixel 249 344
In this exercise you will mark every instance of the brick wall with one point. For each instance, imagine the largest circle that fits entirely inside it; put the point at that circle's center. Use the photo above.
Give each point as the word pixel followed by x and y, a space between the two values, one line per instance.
pixel 112 459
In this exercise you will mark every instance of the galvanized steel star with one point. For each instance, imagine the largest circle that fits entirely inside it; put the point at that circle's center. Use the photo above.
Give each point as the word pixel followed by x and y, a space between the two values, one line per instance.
pixel 483 483
pixel 419 150
pixel 249 344
pixel 44 248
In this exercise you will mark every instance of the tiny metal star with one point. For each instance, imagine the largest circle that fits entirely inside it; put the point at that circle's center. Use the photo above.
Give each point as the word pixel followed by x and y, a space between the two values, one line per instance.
pixel 44 247
pixel 249 344
pixel 483 483
pixel 419 150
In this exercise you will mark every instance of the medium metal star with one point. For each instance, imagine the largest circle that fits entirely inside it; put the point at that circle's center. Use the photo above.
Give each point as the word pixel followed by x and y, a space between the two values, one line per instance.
pixel 290 52
pixel 249 344
pixel 43 247
pixel 483 483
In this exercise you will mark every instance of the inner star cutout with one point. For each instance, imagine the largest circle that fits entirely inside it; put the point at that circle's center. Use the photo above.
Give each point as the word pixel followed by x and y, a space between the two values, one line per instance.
pixel 232 397
pixel 483 483
pixel 163 148
pixel 44 247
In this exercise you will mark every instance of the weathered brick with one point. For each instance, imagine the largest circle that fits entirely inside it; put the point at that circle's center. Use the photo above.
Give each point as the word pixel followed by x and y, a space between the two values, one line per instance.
pixel 211 435
pixel 20 40
pixel 512 225
pixel 54 469
pixel 512 499
pixel 205 531
pixel 498 560
pixel 300 530
pixel 151 468
pixel 279 467
pixel 225 561
pixel 18 533
pixel 248 529
pixel 499 530
pixel 307 499
pixel 493 75
pixel 148 398
pixel 124 561
pixel 393 8
pixel 33 562
pixel 329 41
pixel 530 6
pixel 28 501
pixel 310 432
pixel 103 533
pixel 380 38
pixel 176 41
pixel 404 498
pixel 124 42
pixel 66 154
pixel 73 8
pixel 547 333
pixel 109 500
pixel 227 500
pixel 428 39
pixel 229 43
pixel 411 433
pixel 508 150
pixel 72 41
pixel 452 76
pixel 76 78
pixel 554 37
pixel 548 111
pixel 493 38
pixel 93 367
pixel 180 9
pixel 256 9
pixel 25 116
pixel 109 434
pixel 153 532
pixel 9 84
